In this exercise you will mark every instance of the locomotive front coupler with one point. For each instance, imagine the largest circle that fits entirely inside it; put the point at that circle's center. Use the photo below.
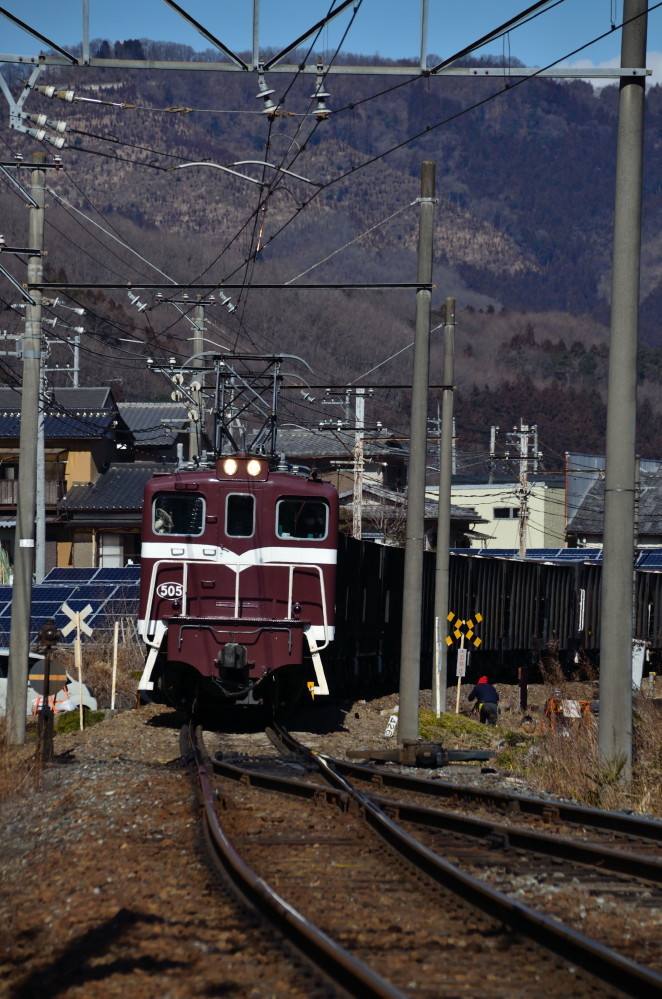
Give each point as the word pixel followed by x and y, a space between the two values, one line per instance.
pixel 418 753
pixel 232 656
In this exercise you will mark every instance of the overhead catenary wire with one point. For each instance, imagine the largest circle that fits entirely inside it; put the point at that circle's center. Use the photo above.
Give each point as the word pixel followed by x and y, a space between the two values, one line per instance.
pixel 573 53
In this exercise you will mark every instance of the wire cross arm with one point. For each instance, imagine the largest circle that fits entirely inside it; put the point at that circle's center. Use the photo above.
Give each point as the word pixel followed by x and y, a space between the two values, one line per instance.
pixel 237 173
pixel 229 286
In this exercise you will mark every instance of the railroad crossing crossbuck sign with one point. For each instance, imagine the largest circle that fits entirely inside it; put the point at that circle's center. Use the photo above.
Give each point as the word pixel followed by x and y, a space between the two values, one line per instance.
pixel 76 620
pixel 464 630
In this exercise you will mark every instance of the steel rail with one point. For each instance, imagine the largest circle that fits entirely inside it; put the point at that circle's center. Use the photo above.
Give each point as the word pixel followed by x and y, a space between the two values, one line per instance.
pixel 598 960
pixel 558 811
pixel 607 858
pixel 334 961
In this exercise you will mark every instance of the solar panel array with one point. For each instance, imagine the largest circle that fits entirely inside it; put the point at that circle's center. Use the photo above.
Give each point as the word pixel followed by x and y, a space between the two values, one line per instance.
pixel 646 558
pixel 537 554
pixel 650 558
pixel 111 592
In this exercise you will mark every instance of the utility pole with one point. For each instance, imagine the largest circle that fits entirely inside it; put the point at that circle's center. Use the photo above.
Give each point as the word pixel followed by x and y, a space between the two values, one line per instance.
pixel 357 507
pixel 40 491
pixel 410 652
pixel 19 641
pixel 442 572
pixel 524 491
pixel 616 623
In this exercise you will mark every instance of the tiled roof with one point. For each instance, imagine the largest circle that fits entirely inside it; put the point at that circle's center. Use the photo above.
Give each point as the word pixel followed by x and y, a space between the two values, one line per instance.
pixel 389 497
pixel 334 444
pixel 589 519
pixel 68 397
pixel 120 488
pixel 146 422
pixel 70 412
pixel 89 423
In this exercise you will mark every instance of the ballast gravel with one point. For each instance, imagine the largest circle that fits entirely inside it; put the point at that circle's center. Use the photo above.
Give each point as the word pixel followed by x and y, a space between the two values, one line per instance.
pixel 104 888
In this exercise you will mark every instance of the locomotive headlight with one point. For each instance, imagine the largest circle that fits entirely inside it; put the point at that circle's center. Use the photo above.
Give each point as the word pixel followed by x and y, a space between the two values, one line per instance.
pixel 254 467
pixel 230 466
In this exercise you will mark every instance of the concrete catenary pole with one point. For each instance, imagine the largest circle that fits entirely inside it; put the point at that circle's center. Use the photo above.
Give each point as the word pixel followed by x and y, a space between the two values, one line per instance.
pixel 615 724
pixel 195 423
pixel 410 652
pixel 441 585
pixel 40 494
pixel 359 425
pixel 19 638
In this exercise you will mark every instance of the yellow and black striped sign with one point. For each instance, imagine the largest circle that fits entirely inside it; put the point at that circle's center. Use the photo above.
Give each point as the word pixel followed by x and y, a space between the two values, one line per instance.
pixel 464 629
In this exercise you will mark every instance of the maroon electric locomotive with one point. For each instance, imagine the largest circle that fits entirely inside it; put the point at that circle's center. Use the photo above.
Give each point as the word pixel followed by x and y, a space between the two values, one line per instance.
pixel 237 583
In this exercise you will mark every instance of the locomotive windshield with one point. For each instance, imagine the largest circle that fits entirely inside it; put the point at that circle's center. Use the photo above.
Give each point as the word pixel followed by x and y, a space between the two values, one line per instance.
pixel 301 518
pixel 240 516
pixel 173 513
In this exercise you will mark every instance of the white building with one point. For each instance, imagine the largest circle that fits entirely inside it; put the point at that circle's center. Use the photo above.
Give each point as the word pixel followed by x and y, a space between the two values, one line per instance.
pixel 498 505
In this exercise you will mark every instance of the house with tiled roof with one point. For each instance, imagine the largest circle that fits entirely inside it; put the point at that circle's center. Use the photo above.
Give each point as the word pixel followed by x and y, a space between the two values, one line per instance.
pixel 586 527
pixel 330 452
pixel 103 518
pixel 384 517
pixel 83 433
pixel 157 428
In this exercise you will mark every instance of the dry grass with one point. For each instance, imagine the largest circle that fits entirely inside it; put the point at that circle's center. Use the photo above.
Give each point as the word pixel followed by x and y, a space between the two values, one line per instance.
pixel 567 763
pixel 565 760
pixel 97 668
pixel 21 766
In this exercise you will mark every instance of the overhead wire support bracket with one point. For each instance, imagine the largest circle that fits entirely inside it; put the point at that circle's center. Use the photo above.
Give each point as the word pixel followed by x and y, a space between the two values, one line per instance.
pixel 265 286
pixel 42 38
pixel 207 35
pixel 19 287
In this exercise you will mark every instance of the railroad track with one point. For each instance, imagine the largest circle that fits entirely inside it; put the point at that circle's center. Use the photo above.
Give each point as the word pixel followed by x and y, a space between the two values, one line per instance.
pixel 424 927
pixel 592 823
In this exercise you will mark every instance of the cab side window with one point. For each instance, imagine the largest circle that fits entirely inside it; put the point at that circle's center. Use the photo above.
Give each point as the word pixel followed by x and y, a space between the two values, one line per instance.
pixel 302 518
pixel 173 513
pixel 240 516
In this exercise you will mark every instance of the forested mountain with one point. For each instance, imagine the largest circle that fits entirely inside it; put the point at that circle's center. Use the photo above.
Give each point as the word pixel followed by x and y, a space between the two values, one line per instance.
pixel 525 180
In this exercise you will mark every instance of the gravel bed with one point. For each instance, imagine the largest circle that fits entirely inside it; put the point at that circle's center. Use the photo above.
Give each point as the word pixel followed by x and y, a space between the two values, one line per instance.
pixel 104 889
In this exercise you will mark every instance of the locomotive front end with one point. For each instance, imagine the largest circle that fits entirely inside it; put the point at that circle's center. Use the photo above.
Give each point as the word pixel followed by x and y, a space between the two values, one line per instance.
pixel 237 584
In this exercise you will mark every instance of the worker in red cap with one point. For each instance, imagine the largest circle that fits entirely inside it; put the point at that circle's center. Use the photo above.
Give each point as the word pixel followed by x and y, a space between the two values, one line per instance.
pixel 488 700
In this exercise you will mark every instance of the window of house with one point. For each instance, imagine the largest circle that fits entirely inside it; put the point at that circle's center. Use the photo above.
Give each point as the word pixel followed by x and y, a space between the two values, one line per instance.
pixel 505 512
pixel 173 513
pixel 240 516
pixel 301 518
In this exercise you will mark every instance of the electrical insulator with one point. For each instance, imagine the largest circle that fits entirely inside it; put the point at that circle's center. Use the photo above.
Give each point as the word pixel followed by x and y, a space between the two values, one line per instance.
pixel 41 136
pixel 41 120
pixel 269 107
pixel 227 302
pixel 321 111
pixel 62 95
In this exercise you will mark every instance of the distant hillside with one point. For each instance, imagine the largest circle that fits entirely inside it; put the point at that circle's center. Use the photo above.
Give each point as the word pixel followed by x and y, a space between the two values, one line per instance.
pixel 522 236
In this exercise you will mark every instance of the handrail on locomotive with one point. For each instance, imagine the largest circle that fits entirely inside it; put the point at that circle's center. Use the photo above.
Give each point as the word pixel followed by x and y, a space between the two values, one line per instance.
pixel 148 625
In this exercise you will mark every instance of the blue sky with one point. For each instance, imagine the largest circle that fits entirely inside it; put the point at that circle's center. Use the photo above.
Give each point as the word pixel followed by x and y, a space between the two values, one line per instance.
pixel 385 27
